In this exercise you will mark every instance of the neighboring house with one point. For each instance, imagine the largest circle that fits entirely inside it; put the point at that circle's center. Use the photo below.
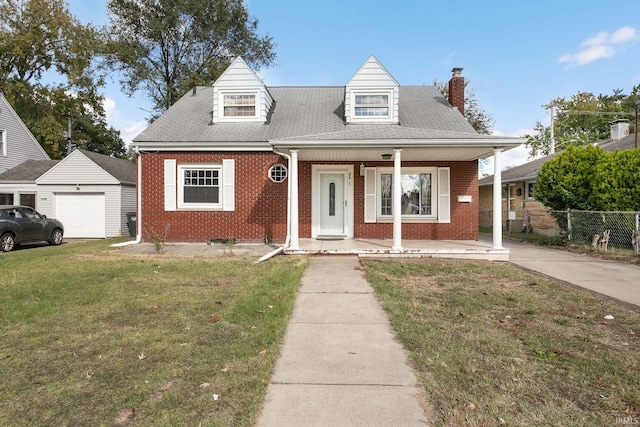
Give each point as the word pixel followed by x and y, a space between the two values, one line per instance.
pixel 90 193
pixel 17 145
pixel 518 189
pixel 18 184
pixel 368 160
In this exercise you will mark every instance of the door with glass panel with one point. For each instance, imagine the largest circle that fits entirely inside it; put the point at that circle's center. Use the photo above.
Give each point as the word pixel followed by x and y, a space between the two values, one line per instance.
pixel 332 204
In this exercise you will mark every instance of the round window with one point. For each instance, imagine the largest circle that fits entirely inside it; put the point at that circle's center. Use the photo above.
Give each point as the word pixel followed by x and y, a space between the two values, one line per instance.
pixel 277 173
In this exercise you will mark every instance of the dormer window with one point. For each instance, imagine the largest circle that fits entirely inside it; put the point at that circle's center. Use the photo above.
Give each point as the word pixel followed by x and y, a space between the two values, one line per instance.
pixel 371 96
pixel 371 105
pixel 240 105
pixel 240 96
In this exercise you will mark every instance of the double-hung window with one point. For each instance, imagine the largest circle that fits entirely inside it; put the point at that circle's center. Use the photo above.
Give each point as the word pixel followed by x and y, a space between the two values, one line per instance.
pixel 371 105
pixel 417 198
pixel 239 105
pixel 199 186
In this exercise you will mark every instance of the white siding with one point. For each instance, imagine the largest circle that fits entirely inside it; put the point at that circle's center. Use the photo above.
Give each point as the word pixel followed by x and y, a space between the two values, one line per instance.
pixel 20 143
pixel 373 77
pixel 76 169
pixel 238 77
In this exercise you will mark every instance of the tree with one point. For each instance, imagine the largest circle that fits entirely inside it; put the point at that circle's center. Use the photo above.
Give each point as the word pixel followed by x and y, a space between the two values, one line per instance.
pixel 567 180
pixel 587 178
pixel 165 47
pixel 41 37
pixel 582 119
pixel 475 115
pixel 616 185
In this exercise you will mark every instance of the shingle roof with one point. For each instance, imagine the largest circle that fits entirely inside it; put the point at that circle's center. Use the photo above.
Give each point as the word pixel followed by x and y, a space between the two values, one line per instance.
pixel 310 113
pixel 121 169
pixel 619 144
pixel 28 171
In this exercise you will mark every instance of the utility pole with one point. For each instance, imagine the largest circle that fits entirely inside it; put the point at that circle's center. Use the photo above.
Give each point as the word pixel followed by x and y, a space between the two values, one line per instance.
pixel 636 125
pixel 69 135
pixel 552 142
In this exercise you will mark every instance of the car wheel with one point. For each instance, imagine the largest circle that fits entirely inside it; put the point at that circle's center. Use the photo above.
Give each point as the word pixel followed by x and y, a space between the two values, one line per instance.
pixel 56 237
pixel 7 242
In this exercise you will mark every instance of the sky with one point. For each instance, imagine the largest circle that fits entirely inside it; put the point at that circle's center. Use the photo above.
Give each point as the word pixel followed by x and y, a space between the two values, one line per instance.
pixel 516 55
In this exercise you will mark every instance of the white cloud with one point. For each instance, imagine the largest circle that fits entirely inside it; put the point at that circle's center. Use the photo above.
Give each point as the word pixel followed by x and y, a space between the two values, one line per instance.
pixel 602 45
pixel 129 129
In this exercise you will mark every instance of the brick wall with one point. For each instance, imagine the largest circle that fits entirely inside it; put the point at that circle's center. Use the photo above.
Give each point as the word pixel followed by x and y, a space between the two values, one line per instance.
pixel 464 216
pixel 260 204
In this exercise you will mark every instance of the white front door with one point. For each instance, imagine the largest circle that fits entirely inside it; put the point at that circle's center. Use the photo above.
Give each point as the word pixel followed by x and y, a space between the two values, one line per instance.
pixel 332 204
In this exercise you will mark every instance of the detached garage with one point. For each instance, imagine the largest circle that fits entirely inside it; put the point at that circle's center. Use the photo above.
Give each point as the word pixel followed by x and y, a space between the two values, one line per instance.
pixel 90 193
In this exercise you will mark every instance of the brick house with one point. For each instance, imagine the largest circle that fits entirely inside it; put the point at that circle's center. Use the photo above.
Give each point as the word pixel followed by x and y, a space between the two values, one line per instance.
pixel 367 160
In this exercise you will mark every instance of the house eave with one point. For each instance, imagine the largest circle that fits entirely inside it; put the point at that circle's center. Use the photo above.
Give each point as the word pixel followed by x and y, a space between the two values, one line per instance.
pixel 201 146
pixel 400 143
pixel 512 180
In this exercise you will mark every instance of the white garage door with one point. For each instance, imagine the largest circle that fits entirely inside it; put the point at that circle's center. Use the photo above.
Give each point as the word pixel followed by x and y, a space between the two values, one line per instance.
pixel 83 215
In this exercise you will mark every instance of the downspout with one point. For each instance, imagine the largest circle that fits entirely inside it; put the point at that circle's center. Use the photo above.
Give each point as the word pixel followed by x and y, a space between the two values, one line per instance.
pixel 139 208
pixel 288 238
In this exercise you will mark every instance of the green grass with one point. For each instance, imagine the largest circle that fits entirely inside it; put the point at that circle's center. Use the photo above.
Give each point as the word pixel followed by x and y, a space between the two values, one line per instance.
pixel 495 345
pixel 87 333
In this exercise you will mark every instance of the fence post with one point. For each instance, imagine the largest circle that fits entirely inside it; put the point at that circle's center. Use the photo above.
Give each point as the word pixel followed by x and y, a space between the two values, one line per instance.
pixel 568 225
pixel 637 240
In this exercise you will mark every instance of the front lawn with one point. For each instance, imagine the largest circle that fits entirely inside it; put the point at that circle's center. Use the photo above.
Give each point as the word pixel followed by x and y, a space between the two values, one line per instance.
pixel 92 337
pixel 494 345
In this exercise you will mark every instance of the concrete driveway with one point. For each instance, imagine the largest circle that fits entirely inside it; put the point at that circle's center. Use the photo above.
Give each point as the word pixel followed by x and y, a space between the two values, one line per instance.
pixel 614 279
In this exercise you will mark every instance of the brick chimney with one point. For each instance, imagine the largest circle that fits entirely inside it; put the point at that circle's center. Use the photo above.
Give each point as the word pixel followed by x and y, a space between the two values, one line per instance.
pixel 456 90
pixel 619 129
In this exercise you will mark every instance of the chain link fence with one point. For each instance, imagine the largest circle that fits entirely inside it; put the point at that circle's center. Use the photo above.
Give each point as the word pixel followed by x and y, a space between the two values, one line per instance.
pixel 585 228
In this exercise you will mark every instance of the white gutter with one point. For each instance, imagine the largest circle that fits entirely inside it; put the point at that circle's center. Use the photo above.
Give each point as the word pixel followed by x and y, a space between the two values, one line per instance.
pixel 139 208
pixel 288 238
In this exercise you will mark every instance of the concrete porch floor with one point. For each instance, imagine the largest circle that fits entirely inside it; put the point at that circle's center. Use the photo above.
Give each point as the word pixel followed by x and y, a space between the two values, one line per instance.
pixel 465 249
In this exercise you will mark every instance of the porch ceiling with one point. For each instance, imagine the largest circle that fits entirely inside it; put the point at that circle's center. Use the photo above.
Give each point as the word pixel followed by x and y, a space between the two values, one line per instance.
pixel 408 154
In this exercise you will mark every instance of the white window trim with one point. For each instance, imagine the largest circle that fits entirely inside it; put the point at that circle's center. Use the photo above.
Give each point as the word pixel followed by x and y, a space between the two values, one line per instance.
pixel 201 166
pixel 369 119
pixel 232 119
pixel 407 171
pixel 3 138
pixel 284 175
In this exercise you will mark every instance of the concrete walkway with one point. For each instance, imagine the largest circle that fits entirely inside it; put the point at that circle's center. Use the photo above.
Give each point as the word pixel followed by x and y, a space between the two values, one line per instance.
pixel 340 363
pixel 614 279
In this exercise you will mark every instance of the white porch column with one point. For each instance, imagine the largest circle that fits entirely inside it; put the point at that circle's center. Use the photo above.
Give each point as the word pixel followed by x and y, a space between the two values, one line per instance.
pixel 497 199
pixel 397 200
pixel 293 215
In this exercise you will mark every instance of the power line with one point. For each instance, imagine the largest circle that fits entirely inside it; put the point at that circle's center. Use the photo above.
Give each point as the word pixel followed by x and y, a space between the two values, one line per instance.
pixel 597 113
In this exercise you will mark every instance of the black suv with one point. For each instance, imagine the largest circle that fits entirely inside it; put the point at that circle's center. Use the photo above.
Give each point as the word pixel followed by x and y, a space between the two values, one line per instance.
pixel 22 224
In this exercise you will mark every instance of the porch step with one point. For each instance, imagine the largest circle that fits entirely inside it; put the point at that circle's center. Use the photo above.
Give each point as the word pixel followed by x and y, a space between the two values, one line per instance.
pixel 327 237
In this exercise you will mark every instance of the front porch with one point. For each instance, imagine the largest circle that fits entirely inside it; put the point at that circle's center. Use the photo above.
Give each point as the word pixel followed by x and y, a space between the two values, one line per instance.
pixel 462 249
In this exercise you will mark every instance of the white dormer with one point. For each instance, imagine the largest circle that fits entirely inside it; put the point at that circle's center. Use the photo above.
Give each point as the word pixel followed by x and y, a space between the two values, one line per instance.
pixel 371 96
pixel 240 96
